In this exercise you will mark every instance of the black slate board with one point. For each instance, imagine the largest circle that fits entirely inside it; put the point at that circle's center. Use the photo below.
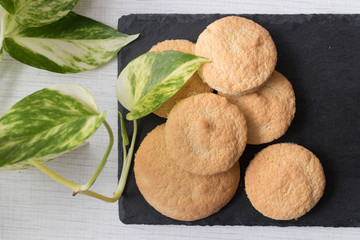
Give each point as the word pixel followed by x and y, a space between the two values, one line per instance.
pixel 320 55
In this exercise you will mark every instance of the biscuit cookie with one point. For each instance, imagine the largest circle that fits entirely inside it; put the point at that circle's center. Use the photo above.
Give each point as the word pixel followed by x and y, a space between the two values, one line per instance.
pixel 193 86
pixel 243 55
pixel 268 111
pixel 284 181
pixel 205 134
pixel 174 192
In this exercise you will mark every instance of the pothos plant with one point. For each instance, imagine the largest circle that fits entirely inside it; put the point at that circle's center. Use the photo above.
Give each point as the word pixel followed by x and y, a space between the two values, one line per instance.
pixel 46 34
pixel 57 119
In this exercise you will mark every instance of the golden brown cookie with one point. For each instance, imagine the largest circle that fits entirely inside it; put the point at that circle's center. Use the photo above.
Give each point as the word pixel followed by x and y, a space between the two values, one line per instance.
pixel 268 111
pixel 174 192
pixel 243 55
pixel 205 134
pixel 284 181
pixel 193 86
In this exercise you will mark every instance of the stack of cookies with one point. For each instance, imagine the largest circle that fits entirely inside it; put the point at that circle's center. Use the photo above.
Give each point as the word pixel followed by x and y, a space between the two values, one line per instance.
pixel 188 168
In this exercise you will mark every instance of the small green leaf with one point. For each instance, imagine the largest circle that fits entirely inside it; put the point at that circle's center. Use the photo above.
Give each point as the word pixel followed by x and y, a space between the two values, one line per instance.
pixel 124 135
pixel 72 44
pixel 152 78
pixel 47 124
pixel 36 13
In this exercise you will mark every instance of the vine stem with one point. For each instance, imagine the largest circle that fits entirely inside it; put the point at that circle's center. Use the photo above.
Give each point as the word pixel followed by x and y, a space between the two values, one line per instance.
pixel 77 188
pixel 124 172
pixel 67 183
pixel 126 165
pixel 56 177
pixel 91 181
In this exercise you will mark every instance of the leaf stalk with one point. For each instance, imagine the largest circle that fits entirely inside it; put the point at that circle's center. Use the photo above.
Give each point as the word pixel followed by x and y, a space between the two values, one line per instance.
pixel 77 188
pixel 83 189
pixel 124 172
pixel 103 161
pixel 56 177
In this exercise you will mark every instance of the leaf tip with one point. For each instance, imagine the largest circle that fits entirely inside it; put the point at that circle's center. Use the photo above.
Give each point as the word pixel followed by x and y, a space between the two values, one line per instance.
pixel 133 37
pixel 136 35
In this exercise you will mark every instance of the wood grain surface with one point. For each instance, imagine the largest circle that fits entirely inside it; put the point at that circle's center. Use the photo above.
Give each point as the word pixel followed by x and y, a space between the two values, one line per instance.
pixel 34 207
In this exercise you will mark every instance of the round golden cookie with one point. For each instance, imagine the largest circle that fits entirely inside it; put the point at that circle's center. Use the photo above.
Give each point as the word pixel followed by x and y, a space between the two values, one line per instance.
pixel 268 111
pixel 205 134
pixel 284 181
pixel 243 55
pixel 193 86
pixel 174 192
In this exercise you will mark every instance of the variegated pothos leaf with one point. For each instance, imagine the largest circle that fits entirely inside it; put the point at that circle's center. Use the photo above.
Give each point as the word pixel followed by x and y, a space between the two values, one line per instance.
pixel 36 13
pixel 152 78
pixel 47 124
pixel 72 44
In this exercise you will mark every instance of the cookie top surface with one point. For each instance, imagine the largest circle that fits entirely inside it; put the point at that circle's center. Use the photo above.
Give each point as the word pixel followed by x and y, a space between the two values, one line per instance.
pixel 205 134
pixel 268 111
pixel 193 86
pixel 174 192
pixel 284 181
pixel 243 55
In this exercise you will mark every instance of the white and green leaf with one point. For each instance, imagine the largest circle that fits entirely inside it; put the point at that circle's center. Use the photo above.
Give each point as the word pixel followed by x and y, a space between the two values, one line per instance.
pixel 72 44
pixel 152 78
pixel 47 124
pixel 36 13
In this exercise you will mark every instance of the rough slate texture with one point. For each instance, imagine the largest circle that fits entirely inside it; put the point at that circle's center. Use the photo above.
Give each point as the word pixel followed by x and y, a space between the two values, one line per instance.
pixel 320 55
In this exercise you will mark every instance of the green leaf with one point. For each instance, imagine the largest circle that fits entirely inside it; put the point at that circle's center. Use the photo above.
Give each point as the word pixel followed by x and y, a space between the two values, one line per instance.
pixel 151 79
pixel 72 44
pixel 47 124
pixel 36 13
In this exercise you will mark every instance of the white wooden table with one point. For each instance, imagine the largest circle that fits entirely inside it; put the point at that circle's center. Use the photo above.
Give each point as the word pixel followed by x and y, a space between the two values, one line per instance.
pixel 34 207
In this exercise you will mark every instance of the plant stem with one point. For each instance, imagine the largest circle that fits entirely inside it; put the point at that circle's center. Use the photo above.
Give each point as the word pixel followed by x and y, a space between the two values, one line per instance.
pixel 56 177
pixel 103 161
pixel 74 186
pixel 126 165
pixel 77 188
pixel 98 196
pixel 124 172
